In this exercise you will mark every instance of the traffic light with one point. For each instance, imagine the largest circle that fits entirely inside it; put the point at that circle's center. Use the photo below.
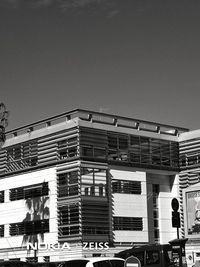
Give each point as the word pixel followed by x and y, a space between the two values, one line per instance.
pixel 176 219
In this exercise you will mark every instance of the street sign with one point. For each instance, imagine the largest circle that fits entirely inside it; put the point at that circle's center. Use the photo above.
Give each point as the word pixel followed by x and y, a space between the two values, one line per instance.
pixel 132 262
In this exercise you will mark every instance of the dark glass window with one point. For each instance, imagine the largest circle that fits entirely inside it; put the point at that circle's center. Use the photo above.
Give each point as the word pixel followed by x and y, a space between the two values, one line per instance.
pixel 1 196
pixel 123 142
pixel 32 191
pixel 140 256
pixel 94 182
pixel 128 223
pixel 68 148
pixel 22 156
pixel 87 151
pixel 117 263
pixel 68 184
pixel 103 263
pixel 100 153
pixel 152 257
pixel 126 187
pixel 125 148
pixel 112 141
pixel 29 227
pixel 68 220
pixel 95 218
pixel 1 230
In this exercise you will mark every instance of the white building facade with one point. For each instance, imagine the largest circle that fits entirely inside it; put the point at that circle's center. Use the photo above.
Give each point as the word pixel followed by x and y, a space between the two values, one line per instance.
pixel 85 184
pixel 189 185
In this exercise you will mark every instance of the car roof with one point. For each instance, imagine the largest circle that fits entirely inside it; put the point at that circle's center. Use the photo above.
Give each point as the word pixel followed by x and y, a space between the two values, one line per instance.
pixel 86 260
pixel 14 263
pixel 96 259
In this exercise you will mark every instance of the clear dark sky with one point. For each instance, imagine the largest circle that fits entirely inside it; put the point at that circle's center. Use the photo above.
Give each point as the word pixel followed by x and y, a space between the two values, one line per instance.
pixel 136 58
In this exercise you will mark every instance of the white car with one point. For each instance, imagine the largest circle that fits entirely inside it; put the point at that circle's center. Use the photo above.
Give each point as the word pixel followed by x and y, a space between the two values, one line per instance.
pixel 105 262
pixel 86 262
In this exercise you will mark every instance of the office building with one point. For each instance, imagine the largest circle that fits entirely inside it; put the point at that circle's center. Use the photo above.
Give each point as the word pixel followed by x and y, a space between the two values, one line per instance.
pixel 85 183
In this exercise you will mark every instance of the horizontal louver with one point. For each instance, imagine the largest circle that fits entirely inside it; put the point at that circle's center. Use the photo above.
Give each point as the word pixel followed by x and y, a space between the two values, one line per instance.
pixel 45 150
pixel 128 223
pixel 189 154
pixel 49 147
pixel 68 220
pixel 93 137
pixel 95 218
pixel 126 187
pixel 29 227
pixel 2 161
pixel 32 191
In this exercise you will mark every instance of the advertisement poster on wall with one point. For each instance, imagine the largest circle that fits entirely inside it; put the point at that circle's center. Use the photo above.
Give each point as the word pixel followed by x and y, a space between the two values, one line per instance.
pixel 193 213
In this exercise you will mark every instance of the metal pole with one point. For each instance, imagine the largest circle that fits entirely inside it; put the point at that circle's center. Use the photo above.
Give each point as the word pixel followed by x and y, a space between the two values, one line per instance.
pixel 177 232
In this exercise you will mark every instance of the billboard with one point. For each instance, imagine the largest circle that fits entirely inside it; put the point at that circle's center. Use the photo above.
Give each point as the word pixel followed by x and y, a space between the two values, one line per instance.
pixel 192 213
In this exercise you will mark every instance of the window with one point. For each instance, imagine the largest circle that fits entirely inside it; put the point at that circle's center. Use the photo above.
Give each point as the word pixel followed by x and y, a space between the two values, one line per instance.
pixel 100 152
pixel 93 182
pixel 95 218
pixel 68 220
pixel 126 187
pixel 117 147
pixel 140 256
pixel 157 235
pixel 68 184
pixel 152 257
pixel 22 156
pixel 145 150
pixel 103 263
pixel 155 192
pixel 1 230
pixel 36 191
pixel 128 223
pixel 1 196
pixel 87 151
pixel 29 227
pixel 124 148
pixel 165 153
pixel 117 263
pixel 156 152
pixel 32 191
pixel 68 148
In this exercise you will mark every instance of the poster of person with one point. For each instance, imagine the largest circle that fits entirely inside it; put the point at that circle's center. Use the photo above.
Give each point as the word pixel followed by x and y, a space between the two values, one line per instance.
pixel 193 212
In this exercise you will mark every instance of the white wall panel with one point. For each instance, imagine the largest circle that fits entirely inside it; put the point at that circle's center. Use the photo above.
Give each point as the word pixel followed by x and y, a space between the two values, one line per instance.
pixel 125 174
pixel 130 205
pixel 131 236
pixel 28 178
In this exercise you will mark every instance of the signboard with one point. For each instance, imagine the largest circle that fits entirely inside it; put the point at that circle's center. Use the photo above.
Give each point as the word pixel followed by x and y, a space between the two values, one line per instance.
pixel 42 246
pixel 192 214
pixel 132 262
